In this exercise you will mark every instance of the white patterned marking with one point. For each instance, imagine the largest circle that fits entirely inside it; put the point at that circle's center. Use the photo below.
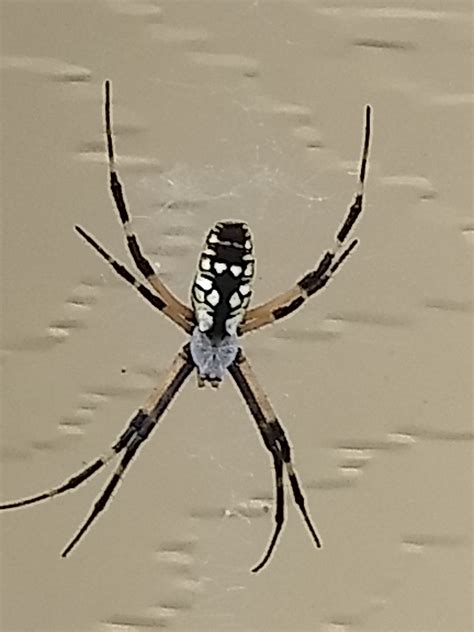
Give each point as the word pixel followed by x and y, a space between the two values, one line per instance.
pixel 231 324
pixel 213 297
pixel 236 270
pixel 203 282
pixel 220 267
pixel 205 263
pixel 199 295
pixel 204 319
pixel 234 300
pixel 244 289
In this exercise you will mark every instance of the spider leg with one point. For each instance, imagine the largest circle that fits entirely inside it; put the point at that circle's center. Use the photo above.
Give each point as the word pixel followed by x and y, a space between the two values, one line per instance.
pixel 287 302
pixel 147 294
pixel 275 441
pixel 71 483
pixel 76 480
pixel 130 440
pixel 279 512
pixel 137 433
pixel 174 305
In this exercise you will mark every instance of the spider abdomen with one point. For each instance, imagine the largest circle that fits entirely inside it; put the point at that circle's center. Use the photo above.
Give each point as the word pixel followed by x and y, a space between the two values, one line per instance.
pixel 222 287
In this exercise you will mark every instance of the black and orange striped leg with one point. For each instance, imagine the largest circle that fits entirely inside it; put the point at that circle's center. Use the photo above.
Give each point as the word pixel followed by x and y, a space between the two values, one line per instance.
pixel 274 439
pixel 287 302
pixel 142 289
pixel 130 440
pixel 174 307
pixel 138 431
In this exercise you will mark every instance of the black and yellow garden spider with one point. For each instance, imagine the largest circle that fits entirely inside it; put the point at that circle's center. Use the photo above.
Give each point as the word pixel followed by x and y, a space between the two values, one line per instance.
pixel 220 297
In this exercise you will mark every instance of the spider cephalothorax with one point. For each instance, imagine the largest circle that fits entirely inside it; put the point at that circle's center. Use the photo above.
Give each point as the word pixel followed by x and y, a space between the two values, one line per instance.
pixel 212 356
pixel 220 297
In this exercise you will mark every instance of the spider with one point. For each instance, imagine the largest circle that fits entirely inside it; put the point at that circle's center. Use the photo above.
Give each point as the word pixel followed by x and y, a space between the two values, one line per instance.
pixel 220 314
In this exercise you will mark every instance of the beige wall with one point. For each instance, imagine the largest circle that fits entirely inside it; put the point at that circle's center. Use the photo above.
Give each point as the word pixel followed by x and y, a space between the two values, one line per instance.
pixel 248 110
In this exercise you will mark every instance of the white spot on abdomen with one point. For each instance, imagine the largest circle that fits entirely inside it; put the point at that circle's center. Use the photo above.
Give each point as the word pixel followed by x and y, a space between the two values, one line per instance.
pixel 203 282
pixel 234 300
pixel 231 324
pixel 199 294
pixel 204 319
pixel 213 297
pixel 220 267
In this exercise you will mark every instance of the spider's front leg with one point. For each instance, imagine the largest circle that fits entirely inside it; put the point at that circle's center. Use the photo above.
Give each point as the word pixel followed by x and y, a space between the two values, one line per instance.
pixel 287 302
pixel 152 298
pixel 171 306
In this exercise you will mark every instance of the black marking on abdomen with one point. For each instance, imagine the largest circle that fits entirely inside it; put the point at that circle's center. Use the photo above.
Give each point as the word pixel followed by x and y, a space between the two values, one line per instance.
pixel 233 232
pixel 228 253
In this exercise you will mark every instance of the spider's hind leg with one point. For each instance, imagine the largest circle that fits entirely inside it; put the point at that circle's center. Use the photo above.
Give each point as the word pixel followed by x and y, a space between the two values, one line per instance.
pixel 138 432
pixel 274 439
pixel 129 441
